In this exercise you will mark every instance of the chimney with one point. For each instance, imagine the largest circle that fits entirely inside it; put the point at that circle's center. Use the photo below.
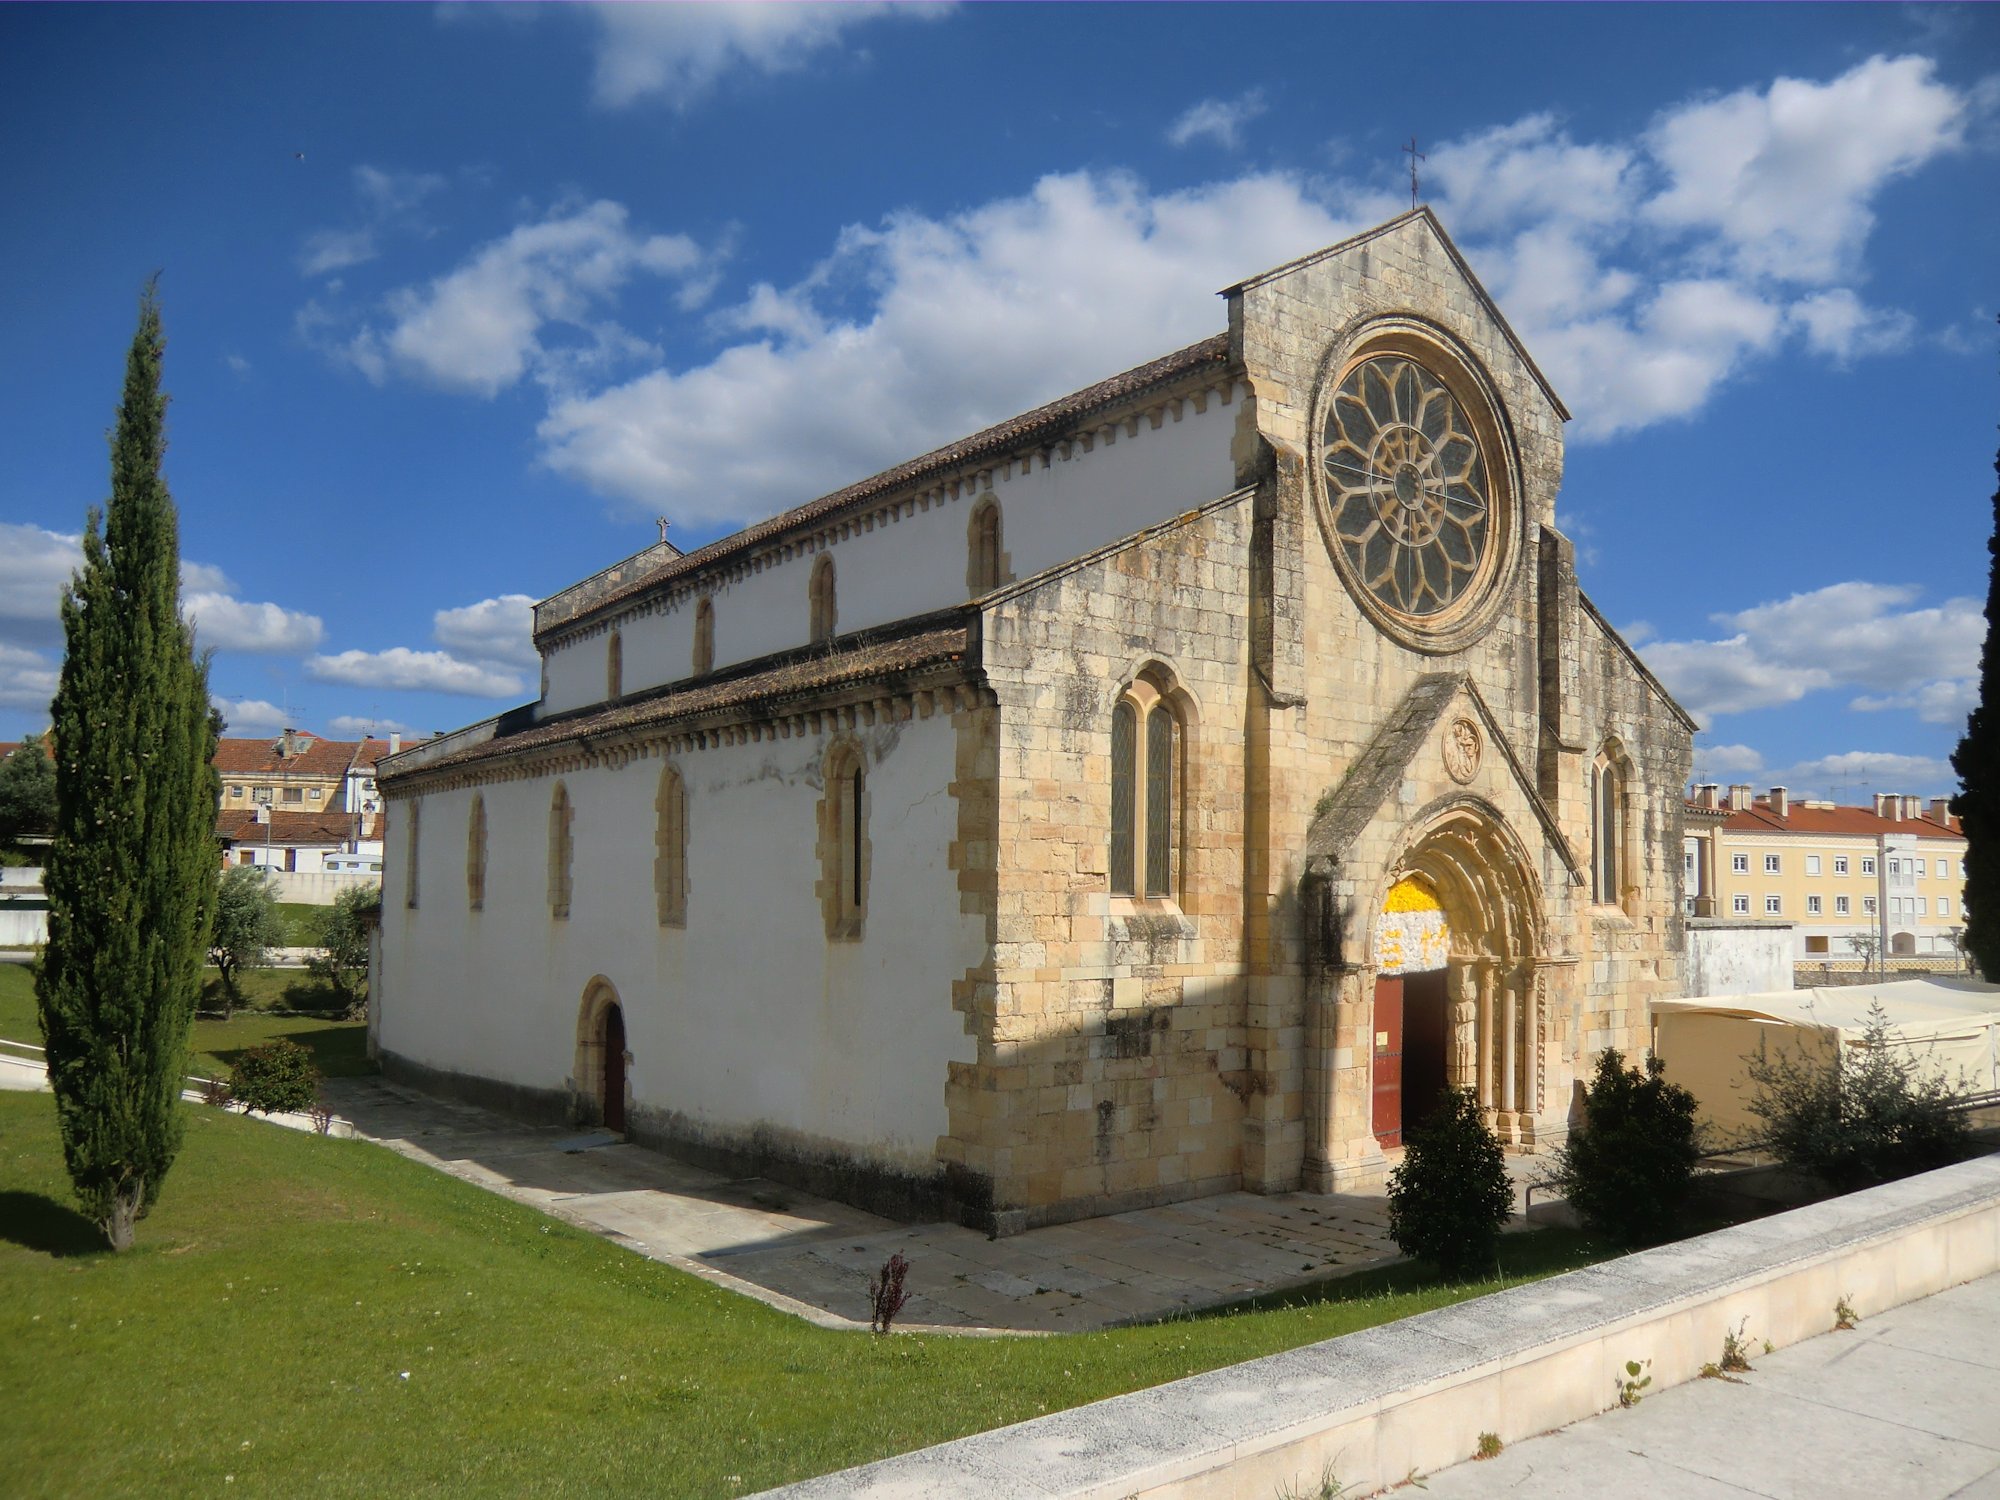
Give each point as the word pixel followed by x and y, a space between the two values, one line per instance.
pixel 1708 794
pixel 1941 810
pixel 1913 808
pixel 1885 804
pixel 288 744
pixel 395 740
pixel 1781 802
pixel 1739 797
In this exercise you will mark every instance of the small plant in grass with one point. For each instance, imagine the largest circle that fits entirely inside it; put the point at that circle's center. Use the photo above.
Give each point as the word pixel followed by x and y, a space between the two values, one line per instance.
pixel 885 1292
pixel 1327 1487
pixel 1489 1445
pixel 215 1093
pixel 1628 1166
pixel 1450 1196
pixel 1844 1315
pixel 1633 1381
pixel 1871 1113
pixel 321 1114
pixel 1735 1358
pixel 275 1078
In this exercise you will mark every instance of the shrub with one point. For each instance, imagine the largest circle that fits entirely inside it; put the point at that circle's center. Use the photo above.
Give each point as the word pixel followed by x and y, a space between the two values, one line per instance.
pixel 278 1076
pixel 1869 1114
pixel 341 961
pixel 1450 1196
pixel 885 1292
pixel 1628 1167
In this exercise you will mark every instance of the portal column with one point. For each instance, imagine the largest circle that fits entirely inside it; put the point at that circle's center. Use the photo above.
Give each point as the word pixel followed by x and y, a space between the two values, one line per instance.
pixel 1529 1074
pixel 1509 1027
pixel 1485 1040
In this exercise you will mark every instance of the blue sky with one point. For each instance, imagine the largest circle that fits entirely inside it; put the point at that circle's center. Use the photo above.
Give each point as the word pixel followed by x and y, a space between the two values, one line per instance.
pixel 459 298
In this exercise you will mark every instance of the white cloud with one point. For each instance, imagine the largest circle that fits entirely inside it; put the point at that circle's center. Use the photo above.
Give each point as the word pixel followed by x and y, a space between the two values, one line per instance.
pixel 420 671
pixel 356 727
pixel 238 365
pixel 389 202
pixel 1781 178
pixel 1945 701
pixel 1080 278
pixel 1714 761
pixel 27 678
pixel 494 630
pixel 1851 634
pixel 679 51
pixel 1217 120
pixel 237 625
pixel 1530 173
pixel 1837 324
pixel 243 716
pixel 1847 776
pixel 531 301
pixel 336 249
pixel 34 566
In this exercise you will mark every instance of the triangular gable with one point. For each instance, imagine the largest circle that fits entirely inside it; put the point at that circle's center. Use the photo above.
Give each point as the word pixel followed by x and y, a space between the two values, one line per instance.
pixel 1424 216
pixel 1375 774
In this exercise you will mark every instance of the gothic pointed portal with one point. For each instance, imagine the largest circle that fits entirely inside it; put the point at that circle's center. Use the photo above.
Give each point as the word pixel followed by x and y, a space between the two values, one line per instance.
pixel 1461 929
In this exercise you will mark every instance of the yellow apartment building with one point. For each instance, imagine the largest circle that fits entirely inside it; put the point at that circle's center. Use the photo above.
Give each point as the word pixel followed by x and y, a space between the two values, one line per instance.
pixel 1893 871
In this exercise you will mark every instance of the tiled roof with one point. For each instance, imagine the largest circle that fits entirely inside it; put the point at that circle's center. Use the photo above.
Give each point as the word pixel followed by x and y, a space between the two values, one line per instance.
pixel 371 750
pixel 324 758
pixel 1847 822
pixel 239 825
pixel 866 657
pixel 1044 421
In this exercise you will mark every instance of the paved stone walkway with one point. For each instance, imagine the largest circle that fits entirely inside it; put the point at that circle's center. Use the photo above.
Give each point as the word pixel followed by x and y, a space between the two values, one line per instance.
pixel 1904 1407
pixel 814 1257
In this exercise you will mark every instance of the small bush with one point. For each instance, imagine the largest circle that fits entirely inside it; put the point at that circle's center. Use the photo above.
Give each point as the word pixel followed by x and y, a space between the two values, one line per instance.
pixel 275 1078
pixel 1869 1114
pixel 885 1292
pixel 1628 1166
pixel 1450 1196
pixel 1489 1445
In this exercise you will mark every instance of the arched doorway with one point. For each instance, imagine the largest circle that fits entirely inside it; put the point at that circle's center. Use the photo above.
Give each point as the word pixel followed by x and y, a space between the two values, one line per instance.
pixel 599 1085
pixel 1456 953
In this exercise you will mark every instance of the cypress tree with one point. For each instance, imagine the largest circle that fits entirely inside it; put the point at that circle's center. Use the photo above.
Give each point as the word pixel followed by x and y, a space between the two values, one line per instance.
pixel 1977 761
pixel 131 874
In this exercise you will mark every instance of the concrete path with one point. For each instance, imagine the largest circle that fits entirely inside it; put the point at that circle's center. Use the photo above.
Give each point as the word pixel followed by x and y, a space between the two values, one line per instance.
pixel 814 1257
pixel 1905 1407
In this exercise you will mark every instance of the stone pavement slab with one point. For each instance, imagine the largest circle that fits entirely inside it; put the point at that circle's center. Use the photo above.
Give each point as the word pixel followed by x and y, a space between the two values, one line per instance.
pixel 813 1256
pixel 1904 1407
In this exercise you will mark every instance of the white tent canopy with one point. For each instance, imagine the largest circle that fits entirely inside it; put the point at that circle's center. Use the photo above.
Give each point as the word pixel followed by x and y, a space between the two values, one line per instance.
pixel 1950 1024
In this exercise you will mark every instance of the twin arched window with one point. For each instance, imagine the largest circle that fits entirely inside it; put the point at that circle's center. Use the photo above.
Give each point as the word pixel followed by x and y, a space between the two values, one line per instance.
pixel 1147 755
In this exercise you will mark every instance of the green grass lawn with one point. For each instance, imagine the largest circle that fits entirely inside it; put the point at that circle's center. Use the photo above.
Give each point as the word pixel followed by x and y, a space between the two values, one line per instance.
pixel 322 1317
pixel 339 1048
pixel 301 923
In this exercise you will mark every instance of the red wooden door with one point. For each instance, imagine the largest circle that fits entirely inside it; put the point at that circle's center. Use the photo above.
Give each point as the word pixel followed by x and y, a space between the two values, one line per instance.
pixel 1426 1041
pixel 614 1068
pixel 1389 1062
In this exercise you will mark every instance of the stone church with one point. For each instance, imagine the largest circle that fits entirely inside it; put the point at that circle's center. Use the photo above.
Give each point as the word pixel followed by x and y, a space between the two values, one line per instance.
pixel 1168 791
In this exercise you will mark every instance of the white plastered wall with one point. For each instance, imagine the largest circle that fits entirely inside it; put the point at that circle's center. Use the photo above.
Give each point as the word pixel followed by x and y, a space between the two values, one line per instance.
pixel 749 1016
pixel 916 562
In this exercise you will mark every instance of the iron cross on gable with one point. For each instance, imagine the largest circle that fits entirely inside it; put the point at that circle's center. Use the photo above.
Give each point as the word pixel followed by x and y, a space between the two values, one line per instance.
pixel 1415 156
pixel 662 522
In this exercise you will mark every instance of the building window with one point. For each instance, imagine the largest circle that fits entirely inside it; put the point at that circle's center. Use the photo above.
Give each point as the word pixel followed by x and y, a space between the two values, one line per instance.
pixel 1944 906
pixel 1740 905
pixel 1772 864
pixel 1895 867
pixel 416 828
pixel 1812 864
pixel 475 855
pixel 236 791
pixel 1607 830
pixel 1922 903
pixel 704 636
pixel 1812 906
pixel 295 794
pixel 670 875
pixel 562 846
pixel 1842 905
pixel 1867 906
pixel 844 851
pixel 1816 944
pixel 825 615
pixel 1840 864
pixel 1146 767
pixel 1774 906
pixel 614 666
pixel 1868 866
pixel 1739 864
pixel 986 566
pixel 314 793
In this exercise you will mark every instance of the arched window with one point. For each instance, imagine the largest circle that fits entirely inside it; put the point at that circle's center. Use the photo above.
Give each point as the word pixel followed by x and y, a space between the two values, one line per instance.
pixel 561 848
pixel 475 855
pixel 1146 770
pixel 670 875
pixel 1607 829
pixel 416 826
pixel 614 666
pixel 824 614
pixel 843 847
pixel 986 565
pixel 704 636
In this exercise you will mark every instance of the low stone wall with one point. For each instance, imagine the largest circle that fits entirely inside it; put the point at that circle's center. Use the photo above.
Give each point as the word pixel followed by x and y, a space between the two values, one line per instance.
pixel 1414 1396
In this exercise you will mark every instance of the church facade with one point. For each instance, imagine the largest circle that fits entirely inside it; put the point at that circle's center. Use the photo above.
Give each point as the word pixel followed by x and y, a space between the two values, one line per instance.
pixel 1168 791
